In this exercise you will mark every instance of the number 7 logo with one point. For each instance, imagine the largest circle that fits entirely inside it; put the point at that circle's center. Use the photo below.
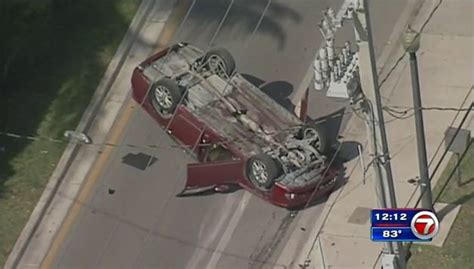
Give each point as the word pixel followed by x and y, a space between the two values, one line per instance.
pixel 424 225
pixel 428 224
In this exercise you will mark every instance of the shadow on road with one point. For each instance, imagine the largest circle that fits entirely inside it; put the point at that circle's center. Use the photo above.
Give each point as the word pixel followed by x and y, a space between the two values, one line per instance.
pixel 279 91
pixel 241 19
pixel 349 150
pixel 139 160
pixel 332 123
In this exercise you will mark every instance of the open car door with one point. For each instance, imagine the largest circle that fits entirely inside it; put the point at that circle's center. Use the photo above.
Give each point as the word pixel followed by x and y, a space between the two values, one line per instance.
pixel 202 176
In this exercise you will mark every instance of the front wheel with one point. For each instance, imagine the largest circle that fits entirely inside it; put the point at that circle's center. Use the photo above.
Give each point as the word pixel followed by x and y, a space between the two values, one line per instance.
pixel 262 171
pixel 319 136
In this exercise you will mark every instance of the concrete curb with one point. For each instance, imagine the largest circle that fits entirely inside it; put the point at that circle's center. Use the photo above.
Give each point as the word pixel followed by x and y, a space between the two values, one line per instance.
pixel 388 58
pixel 470 126
pixel 85 123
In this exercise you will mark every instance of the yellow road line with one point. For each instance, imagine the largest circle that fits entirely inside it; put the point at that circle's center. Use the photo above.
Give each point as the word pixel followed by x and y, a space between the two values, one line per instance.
pixel 174 20
pixel 89 184
pixel 114 137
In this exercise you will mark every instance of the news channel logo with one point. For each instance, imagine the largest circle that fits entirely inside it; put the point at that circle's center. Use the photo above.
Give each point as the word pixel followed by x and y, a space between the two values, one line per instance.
pixel 403 224
pixel 424 225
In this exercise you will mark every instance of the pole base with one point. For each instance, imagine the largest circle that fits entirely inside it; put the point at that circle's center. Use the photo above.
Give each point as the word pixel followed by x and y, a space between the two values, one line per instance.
pixel 389 261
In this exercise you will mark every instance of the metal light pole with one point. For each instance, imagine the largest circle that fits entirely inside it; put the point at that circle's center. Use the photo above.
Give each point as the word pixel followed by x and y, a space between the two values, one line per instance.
pixel 411 43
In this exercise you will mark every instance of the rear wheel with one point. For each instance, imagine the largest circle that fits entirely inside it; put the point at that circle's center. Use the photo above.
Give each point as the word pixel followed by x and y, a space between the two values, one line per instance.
pixel 165 95
pixel 262 170
pixel 220 62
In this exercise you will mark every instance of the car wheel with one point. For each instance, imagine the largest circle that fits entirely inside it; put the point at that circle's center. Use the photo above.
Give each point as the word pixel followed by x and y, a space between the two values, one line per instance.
pixel 165 95
pixel 220 62
pixel 319 134
pixel 262 170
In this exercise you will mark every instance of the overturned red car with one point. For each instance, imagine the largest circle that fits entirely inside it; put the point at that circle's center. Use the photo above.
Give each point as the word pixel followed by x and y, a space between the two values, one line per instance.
pixel 238 134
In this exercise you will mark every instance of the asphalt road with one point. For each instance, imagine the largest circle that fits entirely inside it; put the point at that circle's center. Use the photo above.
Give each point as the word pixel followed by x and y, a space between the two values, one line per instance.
pixel 142 224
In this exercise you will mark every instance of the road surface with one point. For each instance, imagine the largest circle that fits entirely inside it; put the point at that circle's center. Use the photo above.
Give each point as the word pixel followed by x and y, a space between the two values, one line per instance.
pixel 134 220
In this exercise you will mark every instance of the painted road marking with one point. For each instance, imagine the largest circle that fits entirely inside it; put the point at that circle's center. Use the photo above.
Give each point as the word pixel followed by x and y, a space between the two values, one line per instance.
pixel 229 231
pixel 89 184
pixel 165 38
pixel 206 239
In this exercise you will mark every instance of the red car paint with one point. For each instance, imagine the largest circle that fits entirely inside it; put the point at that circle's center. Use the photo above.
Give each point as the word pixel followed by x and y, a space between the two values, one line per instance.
pixel 187 130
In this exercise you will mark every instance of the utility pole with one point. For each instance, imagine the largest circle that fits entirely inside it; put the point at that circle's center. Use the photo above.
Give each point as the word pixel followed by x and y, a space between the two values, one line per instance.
pixel 411 43
pixel 393 256
pixel 342 75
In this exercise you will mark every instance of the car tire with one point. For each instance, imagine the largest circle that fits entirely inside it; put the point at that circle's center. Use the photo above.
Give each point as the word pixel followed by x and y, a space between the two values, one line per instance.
pixel 223 57
pixel 165 95
pixel 262 171
pixel 323 143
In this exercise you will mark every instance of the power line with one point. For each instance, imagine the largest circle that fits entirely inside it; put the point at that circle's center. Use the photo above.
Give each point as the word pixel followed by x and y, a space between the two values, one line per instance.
pixel 453 171
pixel 145 98
pixel 138 256
pixel 438 148
pixel 155 147
pixel 102 144
pixel 407 108
pixel 396 114
pixel 439 164
pixel 149 235
pixel 447 148
pixel 399 60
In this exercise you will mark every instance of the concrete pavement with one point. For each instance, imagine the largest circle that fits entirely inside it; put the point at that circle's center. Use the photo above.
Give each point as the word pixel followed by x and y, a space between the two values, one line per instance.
pixel 446 68
pixel 142 224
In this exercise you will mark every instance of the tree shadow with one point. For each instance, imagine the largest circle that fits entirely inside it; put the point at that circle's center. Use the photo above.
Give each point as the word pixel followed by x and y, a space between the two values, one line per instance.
pixel 240 19
pixel 46 87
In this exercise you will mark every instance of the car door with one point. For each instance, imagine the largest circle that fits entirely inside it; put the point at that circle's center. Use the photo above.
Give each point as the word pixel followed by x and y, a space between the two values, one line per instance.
pixel 219 167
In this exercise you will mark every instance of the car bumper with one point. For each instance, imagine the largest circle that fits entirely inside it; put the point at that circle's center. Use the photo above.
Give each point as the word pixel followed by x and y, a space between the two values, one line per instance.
pixel 298 199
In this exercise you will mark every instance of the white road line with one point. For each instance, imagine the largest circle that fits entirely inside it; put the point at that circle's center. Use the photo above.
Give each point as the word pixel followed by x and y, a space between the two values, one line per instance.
pixel 207 239
pixel 227 235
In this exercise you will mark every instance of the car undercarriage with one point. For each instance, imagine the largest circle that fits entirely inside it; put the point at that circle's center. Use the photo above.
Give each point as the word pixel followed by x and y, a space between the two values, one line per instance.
pixel 290 152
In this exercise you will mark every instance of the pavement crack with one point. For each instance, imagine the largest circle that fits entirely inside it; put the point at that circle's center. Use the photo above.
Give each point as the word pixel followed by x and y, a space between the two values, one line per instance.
pixel 260 259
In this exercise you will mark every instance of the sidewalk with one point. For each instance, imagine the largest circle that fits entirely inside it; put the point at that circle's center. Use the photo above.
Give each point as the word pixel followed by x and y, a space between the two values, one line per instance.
pixel 446 66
